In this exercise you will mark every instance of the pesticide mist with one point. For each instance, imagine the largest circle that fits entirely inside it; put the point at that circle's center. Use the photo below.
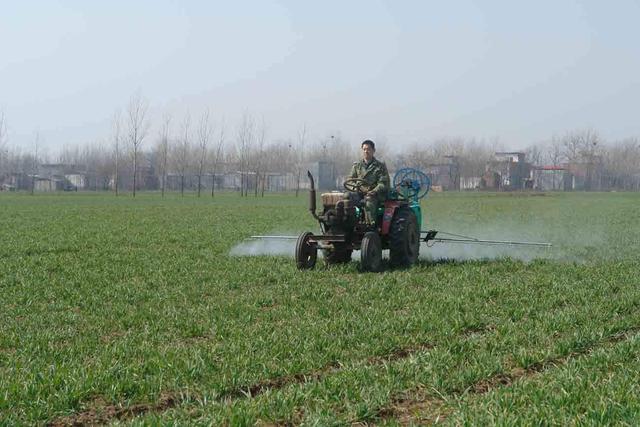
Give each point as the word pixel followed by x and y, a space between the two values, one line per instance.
pixel 479 251
pixel 569 244
pixel 438 251
pixel 577 235
pixel 260 247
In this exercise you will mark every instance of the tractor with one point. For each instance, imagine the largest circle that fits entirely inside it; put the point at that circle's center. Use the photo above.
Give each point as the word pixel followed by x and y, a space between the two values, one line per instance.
pixel 344 229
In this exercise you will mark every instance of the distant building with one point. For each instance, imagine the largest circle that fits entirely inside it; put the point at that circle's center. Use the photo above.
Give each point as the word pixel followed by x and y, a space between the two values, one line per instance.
pixel 324 174
pixel 60 177
pixel 470 182
pixel 17 181
pixel 509 171
pixel 76 180
pixel 445 176
pixel 548 178
pixel 42 184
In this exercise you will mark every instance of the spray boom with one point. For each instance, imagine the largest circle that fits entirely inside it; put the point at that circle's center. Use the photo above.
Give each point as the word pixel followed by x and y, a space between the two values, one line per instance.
pixel 431 236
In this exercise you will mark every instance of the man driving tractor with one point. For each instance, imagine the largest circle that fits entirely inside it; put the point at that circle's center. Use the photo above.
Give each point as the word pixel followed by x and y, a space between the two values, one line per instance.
pixel 375 174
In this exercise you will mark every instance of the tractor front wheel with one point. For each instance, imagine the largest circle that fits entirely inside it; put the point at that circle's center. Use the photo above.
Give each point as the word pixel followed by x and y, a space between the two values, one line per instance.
pixel 306 252
pixel 371 252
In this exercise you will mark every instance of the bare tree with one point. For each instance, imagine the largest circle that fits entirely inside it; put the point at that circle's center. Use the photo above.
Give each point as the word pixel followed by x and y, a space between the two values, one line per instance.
pixel 280 157
pixel 70 154
pixel 117 141
pixel 417 156
pixel 300 155
pixel 622 164
pixel 138 128
pixel 343 154
pixel 474 156
pixel 555 157
pixel 164 151
pixel 259 157
pixel 534 154
pixel 183 153
pixel 580 145
pixel 245 145
pixel 205 129
pixel 95 158
pixel 217 156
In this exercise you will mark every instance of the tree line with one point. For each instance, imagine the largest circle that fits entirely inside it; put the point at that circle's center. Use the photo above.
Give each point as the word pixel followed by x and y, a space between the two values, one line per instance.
pixel 194 153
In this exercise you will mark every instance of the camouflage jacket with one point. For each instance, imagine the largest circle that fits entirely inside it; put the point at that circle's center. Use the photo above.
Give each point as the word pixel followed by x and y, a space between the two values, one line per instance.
pixel 375 174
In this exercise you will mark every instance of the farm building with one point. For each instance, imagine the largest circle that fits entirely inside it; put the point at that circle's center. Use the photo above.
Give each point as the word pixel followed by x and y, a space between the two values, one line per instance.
pixel 40 182
pixel 44 185
pixel 509 171
pixel 16 181
pixel 445 176
pixel 548 178
pixel 570 177
pixel 325 175
pixel 60 176
pixel 76 180
pixel 470 182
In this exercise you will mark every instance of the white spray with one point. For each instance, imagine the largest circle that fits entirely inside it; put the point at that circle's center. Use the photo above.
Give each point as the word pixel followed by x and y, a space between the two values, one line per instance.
pixel 258 247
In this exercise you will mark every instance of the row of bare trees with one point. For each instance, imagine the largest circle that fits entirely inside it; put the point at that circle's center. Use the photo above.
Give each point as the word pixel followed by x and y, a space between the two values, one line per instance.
pixel 471 155
pixel 199 150
pixel 191 154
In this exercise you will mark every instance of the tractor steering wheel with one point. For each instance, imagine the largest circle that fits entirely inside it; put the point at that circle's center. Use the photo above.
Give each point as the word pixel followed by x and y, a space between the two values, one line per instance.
pixel 356 185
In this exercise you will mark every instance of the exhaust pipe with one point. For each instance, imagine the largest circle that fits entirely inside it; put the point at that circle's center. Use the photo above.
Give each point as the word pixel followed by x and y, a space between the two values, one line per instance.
pixel 312 196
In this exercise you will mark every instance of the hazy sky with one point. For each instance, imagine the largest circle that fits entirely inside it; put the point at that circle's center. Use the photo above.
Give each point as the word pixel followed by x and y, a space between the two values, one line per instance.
pixel 403 71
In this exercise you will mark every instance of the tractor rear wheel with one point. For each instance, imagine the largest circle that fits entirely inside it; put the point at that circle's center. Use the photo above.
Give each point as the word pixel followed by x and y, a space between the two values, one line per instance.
pixel 306 252
pixel 404 238
pixel 371 252
pixel 339 254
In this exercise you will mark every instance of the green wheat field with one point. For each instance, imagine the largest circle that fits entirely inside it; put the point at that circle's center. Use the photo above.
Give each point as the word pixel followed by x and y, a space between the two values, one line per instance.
pixel 153 311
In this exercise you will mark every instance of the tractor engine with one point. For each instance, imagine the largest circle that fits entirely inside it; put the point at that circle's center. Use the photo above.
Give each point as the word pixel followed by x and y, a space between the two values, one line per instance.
pixel 340 210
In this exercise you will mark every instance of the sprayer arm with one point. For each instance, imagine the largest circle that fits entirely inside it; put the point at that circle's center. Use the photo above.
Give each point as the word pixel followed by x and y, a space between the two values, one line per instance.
pixel 430 236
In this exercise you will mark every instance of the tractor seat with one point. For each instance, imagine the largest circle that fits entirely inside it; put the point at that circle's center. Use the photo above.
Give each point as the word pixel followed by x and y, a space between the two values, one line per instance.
pixel 330 199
